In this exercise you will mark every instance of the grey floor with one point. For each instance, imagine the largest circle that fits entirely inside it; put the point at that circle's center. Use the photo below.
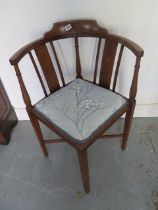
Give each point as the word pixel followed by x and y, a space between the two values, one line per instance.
pixel 120 180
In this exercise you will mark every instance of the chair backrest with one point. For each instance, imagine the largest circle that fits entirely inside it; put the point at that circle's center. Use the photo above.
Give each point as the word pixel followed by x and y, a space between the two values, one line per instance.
pixel 75 29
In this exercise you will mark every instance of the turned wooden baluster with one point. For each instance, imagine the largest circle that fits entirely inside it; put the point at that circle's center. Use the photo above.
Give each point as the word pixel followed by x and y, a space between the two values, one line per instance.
pixel 130 111
pixel 33 120
pixel 133 89
pixel 38 73
pixel 78 63
pixel 58 63
pixel 96 61
pixel 117 67
pixel 25 94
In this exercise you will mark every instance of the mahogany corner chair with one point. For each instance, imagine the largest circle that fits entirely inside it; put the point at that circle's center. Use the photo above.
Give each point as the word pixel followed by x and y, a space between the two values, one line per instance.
pixel 79 111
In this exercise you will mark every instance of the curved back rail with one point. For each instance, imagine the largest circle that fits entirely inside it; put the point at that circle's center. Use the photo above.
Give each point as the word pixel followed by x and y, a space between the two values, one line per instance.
pixel 75 29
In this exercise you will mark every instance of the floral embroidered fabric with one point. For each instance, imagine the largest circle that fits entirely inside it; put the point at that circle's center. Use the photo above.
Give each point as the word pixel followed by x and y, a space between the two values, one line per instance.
pixel 80 108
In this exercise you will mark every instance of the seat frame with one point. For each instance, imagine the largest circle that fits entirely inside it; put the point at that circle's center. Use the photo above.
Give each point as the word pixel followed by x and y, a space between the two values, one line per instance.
pixel 75 29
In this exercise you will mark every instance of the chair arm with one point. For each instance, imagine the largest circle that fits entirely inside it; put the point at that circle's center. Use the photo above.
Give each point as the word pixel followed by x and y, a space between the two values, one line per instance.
pixel 135 48
pixel 23 51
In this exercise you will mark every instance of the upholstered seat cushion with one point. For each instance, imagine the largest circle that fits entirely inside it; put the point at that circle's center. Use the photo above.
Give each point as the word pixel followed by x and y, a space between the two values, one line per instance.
pixel 80 108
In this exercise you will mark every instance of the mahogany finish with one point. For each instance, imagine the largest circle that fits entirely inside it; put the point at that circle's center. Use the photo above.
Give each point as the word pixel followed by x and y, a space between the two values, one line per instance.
pixel 96 61
pixel 107 63
pixel 83 161
pixel 76 29
pixel 47 67
pixel 117 67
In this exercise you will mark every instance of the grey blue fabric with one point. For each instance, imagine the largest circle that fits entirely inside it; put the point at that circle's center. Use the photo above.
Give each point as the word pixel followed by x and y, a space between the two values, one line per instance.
pixel 80 108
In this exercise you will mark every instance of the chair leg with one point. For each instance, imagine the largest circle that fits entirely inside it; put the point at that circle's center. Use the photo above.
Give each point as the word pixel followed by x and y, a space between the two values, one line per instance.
pixel 39 134
pixel 127 125
pixel 83 161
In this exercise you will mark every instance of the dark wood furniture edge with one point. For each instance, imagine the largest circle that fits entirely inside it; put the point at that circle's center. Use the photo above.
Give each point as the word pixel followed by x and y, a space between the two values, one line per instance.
pixel 7 126
pixel 8 120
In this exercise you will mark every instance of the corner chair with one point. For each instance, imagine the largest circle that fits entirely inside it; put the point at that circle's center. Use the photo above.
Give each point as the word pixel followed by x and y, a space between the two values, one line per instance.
pixel 79 111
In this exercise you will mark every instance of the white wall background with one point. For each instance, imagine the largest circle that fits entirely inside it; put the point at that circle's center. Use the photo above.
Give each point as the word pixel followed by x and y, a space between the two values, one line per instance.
pixel 24 21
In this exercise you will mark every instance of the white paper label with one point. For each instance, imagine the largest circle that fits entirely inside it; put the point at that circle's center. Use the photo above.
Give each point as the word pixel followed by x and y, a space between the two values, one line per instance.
pixel 68 27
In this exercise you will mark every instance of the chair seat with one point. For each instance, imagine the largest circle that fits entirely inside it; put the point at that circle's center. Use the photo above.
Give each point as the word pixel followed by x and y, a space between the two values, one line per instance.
pixel 80 108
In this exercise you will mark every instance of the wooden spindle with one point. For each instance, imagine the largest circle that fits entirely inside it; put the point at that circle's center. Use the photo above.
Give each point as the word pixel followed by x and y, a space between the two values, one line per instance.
pixel 78 63
pixel 57 62
pixel 133 89
pixel 38 73
pixel 117 67
pixel 96 60
pixel 25 94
